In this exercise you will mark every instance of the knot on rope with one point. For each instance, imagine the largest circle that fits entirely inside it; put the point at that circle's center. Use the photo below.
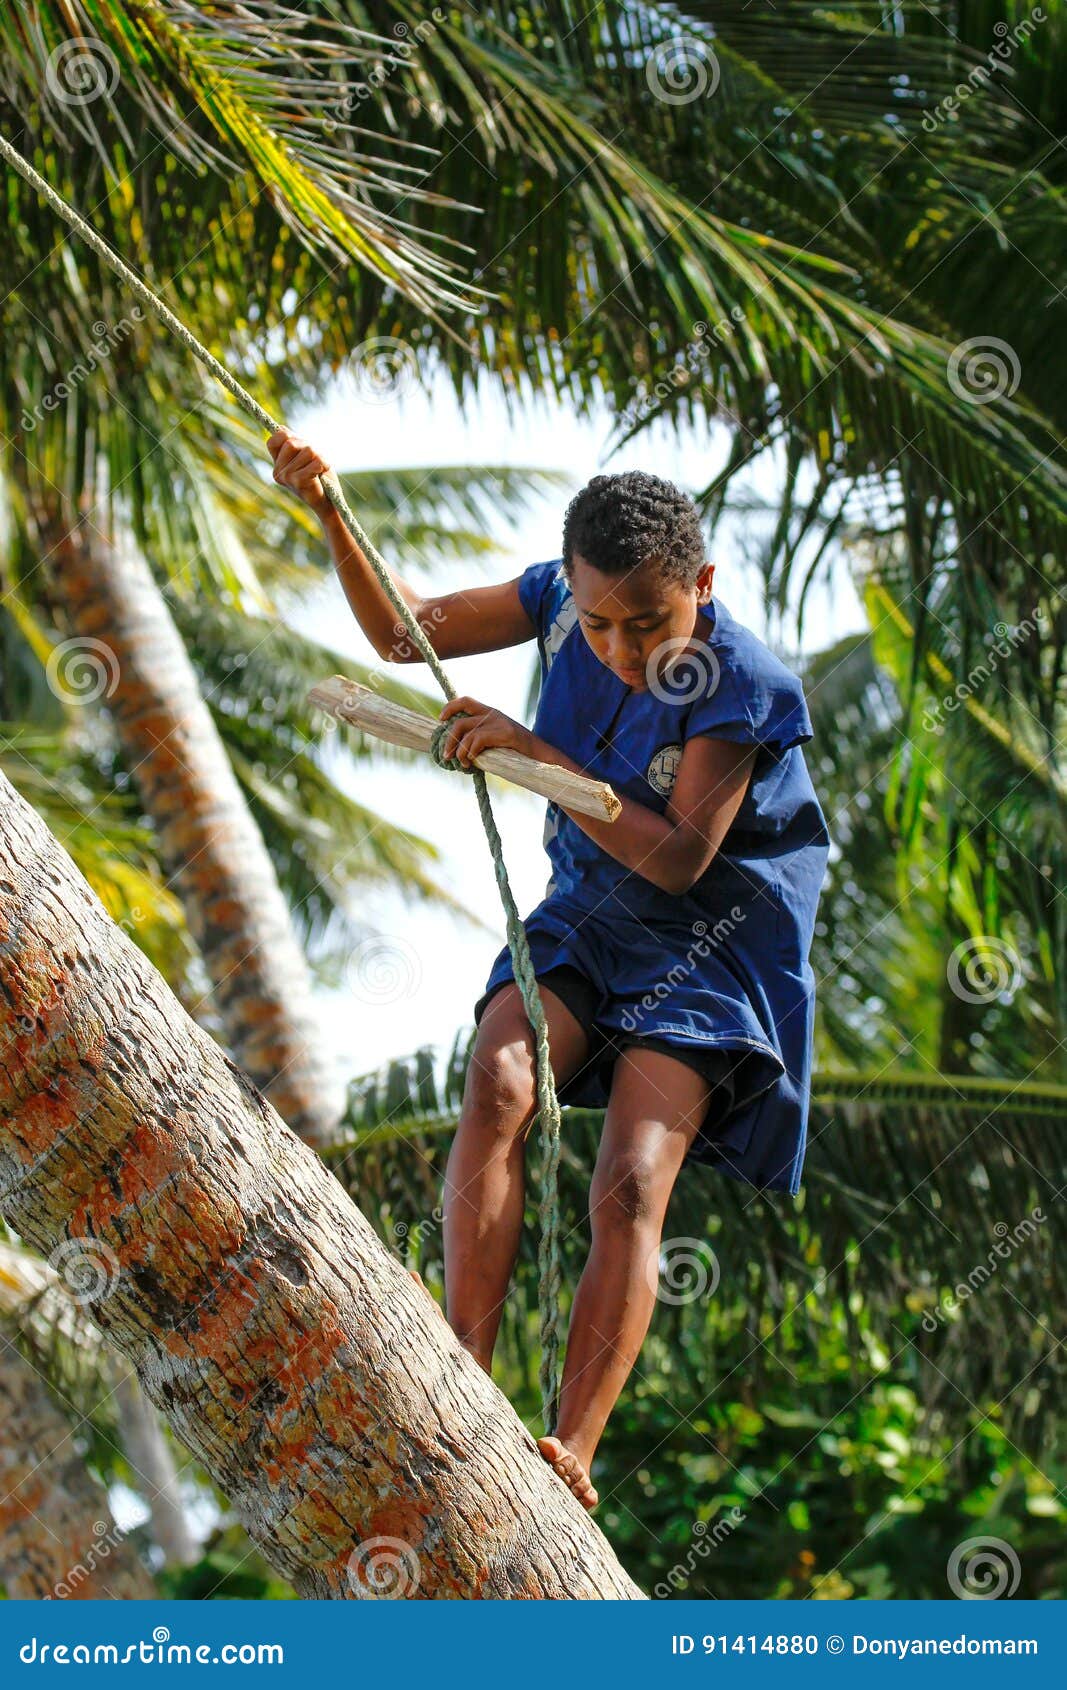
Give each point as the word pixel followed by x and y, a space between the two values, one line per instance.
pixel 437 739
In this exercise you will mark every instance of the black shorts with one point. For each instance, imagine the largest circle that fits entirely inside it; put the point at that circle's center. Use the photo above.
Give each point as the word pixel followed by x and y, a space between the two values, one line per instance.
pixel 607 1044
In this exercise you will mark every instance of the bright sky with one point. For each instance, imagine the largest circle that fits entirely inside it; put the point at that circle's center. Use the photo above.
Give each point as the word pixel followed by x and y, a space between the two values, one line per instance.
pixel 415 978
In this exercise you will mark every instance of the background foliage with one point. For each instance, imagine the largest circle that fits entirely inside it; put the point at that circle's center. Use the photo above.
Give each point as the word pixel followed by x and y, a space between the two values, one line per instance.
pixel 799 256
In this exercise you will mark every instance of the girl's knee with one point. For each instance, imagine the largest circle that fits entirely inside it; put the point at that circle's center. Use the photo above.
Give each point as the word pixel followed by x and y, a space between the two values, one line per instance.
pixel 627 1189
pixel 499 1095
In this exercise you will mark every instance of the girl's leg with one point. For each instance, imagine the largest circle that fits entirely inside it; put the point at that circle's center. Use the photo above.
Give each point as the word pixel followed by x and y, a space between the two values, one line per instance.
pixel 656 1107
pixel 485 1173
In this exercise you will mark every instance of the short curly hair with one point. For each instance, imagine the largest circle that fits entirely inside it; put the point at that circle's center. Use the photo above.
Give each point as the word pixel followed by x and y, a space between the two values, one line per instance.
pixel 619 522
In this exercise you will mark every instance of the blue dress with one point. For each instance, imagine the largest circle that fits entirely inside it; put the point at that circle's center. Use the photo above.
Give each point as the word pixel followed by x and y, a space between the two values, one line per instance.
pixel 725 964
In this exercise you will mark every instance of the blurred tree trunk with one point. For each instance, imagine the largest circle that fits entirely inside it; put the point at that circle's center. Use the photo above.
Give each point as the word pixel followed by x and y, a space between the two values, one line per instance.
pixel 213 850
pixel 57 1536
pixel 36 1299
pixel 367 1453
pixel 156 1473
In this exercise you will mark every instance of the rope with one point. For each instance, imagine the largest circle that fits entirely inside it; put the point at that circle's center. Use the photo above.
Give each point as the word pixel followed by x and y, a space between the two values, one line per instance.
pixel 549 1268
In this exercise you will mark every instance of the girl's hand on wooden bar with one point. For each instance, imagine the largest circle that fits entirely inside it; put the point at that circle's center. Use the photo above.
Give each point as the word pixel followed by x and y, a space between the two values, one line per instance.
pixel 480 728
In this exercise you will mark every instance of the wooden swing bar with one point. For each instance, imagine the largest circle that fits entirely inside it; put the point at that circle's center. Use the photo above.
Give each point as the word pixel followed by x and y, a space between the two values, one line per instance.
pixel 348 701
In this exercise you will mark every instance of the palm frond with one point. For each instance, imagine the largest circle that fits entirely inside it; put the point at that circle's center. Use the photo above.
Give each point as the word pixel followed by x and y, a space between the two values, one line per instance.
pixel 421 517
pixel 329 851
pixel 238 88
pixel 94 815
pixel 41 1318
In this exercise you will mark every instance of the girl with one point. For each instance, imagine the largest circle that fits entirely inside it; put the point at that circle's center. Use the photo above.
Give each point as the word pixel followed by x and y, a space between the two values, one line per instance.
pixel 672 944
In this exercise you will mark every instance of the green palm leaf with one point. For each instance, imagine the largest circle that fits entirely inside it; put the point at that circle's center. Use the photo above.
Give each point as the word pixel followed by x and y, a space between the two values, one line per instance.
pixel 224 88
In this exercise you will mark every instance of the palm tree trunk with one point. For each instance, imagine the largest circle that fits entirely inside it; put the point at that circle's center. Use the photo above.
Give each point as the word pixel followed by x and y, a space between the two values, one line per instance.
pixel 367 1453
pixel 35 1298
pixel 152 1460
pixel 57 1536
pixel 210 845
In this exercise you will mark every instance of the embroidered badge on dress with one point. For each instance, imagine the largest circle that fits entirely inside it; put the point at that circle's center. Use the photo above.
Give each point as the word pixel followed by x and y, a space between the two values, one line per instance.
pixel 664 768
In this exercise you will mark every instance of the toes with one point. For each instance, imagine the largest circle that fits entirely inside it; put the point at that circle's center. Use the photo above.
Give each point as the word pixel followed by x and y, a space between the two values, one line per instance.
pixel 579 1481
pixel 417 1277
pixel 567 1466
pixel 553 1452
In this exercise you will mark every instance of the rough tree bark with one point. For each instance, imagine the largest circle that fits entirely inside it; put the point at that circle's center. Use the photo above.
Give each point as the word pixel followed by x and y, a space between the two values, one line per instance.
pixel 365 1450
pixel 57 1536
pixel 213 851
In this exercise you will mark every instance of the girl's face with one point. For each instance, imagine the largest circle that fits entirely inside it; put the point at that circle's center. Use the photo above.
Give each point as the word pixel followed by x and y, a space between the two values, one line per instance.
pixel 636 624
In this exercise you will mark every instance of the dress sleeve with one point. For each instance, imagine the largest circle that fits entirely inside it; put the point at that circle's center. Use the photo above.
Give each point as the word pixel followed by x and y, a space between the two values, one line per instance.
pixel 536 594
pixel 758 705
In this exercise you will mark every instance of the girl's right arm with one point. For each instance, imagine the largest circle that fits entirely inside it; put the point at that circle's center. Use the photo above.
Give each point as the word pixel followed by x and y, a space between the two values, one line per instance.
pixel 456 624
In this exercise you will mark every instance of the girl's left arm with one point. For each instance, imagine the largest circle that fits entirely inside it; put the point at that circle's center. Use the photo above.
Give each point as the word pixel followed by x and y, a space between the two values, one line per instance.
pixel 671 850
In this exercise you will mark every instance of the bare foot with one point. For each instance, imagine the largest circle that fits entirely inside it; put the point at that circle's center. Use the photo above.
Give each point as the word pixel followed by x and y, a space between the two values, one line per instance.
pixel 564 1462
pixel 417 1277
